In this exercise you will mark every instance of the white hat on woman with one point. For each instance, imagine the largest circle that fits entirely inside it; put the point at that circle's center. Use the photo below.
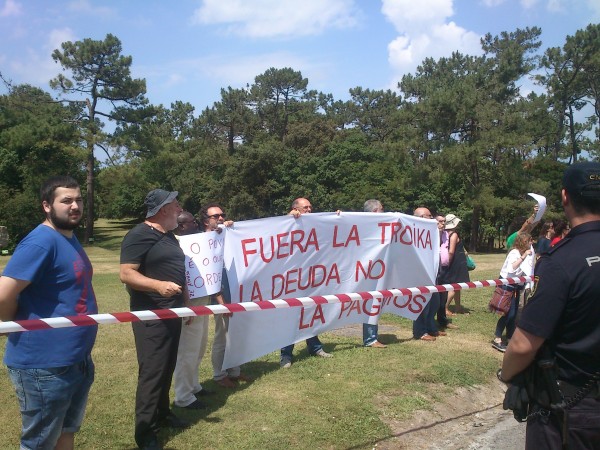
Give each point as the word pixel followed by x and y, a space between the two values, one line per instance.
pixel 451 222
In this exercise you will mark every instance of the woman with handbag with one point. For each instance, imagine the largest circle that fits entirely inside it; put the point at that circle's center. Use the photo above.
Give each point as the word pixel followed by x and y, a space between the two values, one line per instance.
pixel 514 265
pixel 457 271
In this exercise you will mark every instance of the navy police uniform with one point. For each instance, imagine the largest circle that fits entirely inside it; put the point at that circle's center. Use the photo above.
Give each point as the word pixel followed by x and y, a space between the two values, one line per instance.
pixel 565 310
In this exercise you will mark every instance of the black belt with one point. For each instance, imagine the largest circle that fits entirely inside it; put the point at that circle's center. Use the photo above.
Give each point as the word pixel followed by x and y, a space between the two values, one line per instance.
pixel 570 390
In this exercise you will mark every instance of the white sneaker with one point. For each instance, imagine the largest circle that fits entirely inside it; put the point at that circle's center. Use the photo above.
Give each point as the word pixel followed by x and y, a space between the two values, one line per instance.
pixel 323 354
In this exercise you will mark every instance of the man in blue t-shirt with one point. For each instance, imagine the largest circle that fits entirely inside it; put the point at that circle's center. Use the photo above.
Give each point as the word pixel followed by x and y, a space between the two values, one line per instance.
pixel 50 275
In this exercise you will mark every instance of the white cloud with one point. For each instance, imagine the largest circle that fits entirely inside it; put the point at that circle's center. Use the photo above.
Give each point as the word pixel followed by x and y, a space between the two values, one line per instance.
pixel 594 6
pixel 492 3
pixel 86 7
pixel 555 6
pixel 269 18
pixel 529 4
pixel 411 16
pixel 215 72
pixel 10 8
pixel 424 31
pixel 38 68
pixel 57 36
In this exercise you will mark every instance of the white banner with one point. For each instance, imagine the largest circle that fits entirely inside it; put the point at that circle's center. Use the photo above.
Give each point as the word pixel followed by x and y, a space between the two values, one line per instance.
pixel 203 262
pixel 319 254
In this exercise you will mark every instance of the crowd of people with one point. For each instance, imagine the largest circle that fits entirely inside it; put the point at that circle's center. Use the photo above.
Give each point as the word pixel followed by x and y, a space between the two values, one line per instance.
pixel 50 274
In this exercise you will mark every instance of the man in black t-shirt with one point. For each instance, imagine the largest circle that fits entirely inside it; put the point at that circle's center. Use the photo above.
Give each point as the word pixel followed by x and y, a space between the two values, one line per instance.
pixel 564 311
pixel 153 269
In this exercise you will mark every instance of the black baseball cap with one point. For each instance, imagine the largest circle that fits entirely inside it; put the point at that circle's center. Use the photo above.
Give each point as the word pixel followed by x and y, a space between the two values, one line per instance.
pixel 583 179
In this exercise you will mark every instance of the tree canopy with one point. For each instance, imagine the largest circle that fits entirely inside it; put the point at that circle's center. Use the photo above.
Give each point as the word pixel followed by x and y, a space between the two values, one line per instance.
pixel 459 135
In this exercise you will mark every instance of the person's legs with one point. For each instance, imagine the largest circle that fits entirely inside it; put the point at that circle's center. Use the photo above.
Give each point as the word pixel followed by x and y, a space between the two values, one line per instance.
pixel 420 323
pixel 500 326
pixel 218 347
pixel 156 344
pixel 285 359
pixel 313 344
pixel 430 322
pixel 442 318
pixel 66 441
pixel 449 300
pixel 511 319
pixel 369 334
pixel 52 402
pixel 189 355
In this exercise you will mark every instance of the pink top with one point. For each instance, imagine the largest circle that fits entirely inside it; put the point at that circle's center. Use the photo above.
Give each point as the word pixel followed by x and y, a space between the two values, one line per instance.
pixel 444 242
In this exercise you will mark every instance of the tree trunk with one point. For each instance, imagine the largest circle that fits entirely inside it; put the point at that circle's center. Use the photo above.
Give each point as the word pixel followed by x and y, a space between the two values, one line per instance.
pixel 475 229
pixel 89 211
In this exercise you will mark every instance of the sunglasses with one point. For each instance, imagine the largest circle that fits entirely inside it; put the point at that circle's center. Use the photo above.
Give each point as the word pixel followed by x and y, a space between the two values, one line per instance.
pixel 216 216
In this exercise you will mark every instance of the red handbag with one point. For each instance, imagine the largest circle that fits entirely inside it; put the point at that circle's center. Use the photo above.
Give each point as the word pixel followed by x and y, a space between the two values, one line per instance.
pixel 501 300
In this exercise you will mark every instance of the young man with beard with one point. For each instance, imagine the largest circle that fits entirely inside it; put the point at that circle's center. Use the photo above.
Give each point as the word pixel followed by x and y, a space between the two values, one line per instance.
pixel 49 275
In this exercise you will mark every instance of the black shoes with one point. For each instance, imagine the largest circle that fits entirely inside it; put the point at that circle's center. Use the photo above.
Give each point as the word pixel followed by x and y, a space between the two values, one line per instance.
pixel 203 393
pixel 172 421
pixel 151 444
pixel 196 404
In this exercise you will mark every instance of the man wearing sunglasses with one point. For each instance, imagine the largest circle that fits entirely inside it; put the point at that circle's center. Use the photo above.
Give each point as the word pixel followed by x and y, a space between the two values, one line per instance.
pixel 213 219
pixel 192 341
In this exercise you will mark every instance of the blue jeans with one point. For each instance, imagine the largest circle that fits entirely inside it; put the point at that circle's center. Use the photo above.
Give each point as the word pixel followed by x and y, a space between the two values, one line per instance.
pixel 52 401
pixel 426 323
pixel 369 333
pixel 509 321
pixel 313 344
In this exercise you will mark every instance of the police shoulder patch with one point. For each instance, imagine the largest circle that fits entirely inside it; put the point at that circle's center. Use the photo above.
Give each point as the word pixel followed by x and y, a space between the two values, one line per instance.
pixel 536 279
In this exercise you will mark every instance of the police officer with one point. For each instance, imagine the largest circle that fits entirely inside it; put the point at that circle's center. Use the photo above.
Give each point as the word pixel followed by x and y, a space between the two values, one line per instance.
pixel 564 311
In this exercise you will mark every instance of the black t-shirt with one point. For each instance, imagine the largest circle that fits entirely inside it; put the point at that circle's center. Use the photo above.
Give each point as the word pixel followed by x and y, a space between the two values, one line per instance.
pixel 160 258
pixel 565 305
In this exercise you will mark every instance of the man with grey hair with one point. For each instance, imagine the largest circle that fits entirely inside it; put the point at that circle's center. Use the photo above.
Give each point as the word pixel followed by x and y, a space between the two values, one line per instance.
pixel 370 330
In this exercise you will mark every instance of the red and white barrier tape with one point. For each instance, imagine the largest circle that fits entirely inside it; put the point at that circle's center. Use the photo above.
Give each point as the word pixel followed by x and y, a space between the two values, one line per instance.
pixel 173 313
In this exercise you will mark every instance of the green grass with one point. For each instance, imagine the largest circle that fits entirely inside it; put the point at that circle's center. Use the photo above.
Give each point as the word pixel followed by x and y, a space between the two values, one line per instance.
pixel 338 403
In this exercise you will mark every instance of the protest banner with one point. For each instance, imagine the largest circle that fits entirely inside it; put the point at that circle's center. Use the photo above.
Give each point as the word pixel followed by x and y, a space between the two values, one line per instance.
pixel 203 262
pixel 318 254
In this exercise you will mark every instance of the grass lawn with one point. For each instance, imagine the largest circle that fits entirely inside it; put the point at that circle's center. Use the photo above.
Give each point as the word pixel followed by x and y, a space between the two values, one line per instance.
pixel 337 403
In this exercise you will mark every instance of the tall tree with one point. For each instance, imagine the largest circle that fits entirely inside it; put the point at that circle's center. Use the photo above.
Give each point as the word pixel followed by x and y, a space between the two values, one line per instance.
pixel 277 94
pixel 375 112
pixel 571 80
pixel 99 76
pixel 38 139
pixel 468 109
pixel 231 116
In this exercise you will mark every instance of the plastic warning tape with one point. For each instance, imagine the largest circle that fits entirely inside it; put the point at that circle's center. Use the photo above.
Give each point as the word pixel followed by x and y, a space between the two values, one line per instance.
pixel 174 313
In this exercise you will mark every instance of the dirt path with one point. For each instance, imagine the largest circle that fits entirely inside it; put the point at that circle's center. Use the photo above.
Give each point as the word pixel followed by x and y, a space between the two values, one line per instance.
pixel 472 418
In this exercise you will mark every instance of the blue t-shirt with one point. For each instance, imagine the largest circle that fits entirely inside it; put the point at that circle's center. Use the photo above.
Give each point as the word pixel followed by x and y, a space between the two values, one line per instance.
pixel 60 274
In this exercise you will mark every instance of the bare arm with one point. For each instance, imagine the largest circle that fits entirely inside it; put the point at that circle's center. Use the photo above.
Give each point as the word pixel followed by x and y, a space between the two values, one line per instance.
pixel 529 223
pixel 520 353
pixel 131 276
pixel 517 263
pixel 10 288
pixel 452 247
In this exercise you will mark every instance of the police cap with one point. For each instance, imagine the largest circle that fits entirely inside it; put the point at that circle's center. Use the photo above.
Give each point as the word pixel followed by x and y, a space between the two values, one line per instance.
pixel 583 179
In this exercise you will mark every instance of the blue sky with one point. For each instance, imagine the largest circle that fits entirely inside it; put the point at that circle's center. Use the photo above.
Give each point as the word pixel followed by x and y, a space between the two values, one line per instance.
pixel 189 49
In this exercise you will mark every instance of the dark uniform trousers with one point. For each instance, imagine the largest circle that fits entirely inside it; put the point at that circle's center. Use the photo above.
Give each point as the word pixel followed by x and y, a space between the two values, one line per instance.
pixel 583 423
pixel 156 343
